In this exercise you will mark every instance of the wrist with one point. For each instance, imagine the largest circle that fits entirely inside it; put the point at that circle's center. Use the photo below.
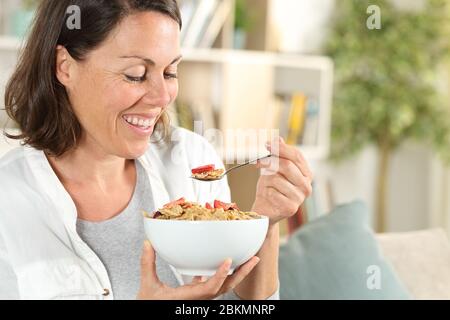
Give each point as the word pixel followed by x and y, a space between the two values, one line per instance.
pixel 273 230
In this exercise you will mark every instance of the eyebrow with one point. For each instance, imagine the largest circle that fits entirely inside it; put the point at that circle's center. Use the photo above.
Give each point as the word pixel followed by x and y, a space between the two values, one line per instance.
pixel 150 61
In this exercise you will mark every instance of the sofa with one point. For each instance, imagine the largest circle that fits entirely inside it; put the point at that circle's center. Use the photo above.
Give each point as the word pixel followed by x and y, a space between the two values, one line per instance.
pixel 422 261
pixel 338 256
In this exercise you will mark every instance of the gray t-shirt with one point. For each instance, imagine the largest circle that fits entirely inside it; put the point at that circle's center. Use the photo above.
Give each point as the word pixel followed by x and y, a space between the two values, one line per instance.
pixel 118 242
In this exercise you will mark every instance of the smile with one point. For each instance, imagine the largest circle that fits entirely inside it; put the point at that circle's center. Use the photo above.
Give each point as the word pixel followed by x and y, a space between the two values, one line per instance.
pixel 139 123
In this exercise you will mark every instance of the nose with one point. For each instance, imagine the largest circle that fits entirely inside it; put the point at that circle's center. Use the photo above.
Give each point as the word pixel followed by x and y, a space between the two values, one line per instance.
pixel 157 92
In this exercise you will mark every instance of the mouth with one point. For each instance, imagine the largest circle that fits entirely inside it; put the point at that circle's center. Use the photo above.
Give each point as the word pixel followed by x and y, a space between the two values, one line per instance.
pixel 141 124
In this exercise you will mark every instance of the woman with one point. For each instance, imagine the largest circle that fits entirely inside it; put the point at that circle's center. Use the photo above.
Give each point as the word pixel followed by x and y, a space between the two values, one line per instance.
pixel 87 102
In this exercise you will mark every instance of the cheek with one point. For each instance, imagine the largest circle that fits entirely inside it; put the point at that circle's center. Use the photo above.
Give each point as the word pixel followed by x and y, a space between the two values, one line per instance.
pixel 121 97
pixel 99 98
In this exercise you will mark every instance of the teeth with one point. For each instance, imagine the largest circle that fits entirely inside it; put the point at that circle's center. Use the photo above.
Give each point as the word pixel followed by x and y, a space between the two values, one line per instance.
pixel 139 122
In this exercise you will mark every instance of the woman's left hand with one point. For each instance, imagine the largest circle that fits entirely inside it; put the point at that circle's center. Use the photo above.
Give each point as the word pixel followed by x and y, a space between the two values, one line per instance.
pixel 284 184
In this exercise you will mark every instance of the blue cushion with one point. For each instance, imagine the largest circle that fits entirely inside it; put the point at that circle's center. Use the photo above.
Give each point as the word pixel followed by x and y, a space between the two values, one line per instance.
pixel 337 257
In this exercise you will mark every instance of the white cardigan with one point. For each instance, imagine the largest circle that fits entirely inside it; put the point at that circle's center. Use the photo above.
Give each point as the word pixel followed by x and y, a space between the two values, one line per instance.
pixel 41 254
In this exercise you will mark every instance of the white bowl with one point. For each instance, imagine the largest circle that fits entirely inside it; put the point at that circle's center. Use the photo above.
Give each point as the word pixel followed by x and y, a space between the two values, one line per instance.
pixel 198 248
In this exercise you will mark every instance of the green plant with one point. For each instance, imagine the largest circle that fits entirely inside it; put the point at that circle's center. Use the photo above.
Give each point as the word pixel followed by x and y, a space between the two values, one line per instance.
pixel 386 79
pixel 242 18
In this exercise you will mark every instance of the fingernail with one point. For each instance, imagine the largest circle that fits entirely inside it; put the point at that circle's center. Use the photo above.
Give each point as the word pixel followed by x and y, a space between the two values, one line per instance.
pixel 147 245
pixel 257 260
pixel 228 263
pixel 281 139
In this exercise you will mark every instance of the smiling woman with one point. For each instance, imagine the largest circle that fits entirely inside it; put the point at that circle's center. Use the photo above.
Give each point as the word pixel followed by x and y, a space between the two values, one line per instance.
pixel 57 110
pixel 89 102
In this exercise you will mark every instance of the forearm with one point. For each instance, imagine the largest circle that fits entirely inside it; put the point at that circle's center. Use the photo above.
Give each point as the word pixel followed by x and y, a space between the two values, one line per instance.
pixel 262 282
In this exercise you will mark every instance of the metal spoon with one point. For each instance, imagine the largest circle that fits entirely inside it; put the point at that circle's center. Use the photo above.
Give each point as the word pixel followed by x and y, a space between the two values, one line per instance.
pixel 229 170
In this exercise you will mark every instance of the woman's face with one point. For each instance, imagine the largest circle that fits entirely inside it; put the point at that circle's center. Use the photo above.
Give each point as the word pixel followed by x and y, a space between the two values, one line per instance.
pixel 122 87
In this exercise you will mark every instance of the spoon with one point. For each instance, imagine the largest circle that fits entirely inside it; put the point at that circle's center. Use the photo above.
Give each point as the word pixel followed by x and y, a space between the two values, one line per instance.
pixel 229 170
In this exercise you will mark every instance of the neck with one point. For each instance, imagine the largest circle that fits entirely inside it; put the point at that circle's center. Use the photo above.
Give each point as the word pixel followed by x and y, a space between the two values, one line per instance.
pixel 89 163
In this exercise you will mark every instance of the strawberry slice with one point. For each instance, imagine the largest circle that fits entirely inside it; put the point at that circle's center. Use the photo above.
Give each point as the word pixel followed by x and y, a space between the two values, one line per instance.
pixel 156 215
pixel 225 206
pixel 202 169
pixel 175 202
pixel 208 206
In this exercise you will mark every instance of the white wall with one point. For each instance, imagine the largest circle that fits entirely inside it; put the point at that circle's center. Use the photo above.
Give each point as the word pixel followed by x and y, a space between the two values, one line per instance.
pixel 410 193
pixel 302 24
pixel 410 188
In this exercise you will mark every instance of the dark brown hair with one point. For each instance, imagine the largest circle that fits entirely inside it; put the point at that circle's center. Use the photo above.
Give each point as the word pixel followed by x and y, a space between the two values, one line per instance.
pixel 34 98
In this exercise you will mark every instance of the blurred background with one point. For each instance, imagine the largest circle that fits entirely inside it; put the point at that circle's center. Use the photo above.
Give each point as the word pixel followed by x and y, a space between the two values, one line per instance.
pixel 361 87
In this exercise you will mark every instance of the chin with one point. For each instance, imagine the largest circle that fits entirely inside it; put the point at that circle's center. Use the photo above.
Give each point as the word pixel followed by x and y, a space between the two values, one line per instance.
pixel 135 150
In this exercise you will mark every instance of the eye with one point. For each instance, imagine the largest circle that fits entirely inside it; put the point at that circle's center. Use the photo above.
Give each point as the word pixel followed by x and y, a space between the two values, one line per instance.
pixel 168 75
pixel 136 79
pixel 171 72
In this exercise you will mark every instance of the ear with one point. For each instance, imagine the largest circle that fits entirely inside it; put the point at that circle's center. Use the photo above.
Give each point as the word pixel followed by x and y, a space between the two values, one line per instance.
pixel 63 65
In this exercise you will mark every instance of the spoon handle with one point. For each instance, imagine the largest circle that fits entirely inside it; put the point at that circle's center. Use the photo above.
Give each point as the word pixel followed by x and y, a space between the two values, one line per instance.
pixel 246 163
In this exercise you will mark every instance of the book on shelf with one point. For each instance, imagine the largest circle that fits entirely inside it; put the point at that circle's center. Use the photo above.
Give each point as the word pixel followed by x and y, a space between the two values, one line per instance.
pixel 204 112
pixel 296 119
pixel 203 13
pixel 187 9
pixel 311 129
pixel 202 21
pixel 187 114
pixel 215 24
pixel 299 119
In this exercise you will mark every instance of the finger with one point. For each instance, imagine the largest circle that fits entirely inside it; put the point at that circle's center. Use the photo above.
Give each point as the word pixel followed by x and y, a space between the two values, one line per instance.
pixel 287 169
pixel 207 289
pixel 279 148
pixel 301 188
pixel 285 187
pixel 285 166
pixel 213 285
pixel 240 274
pixel 287 206
pixel 148 266
pixel 294 154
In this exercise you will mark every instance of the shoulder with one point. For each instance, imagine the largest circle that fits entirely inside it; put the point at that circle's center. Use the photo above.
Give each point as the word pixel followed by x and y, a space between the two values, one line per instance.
pixel 12 165
pixel 16 176
pixel 12 156
pixel 18 194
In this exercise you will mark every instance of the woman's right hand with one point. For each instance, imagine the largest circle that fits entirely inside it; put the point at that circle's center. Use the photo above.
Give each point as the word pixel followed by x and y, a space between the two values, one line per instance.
pixel 153 289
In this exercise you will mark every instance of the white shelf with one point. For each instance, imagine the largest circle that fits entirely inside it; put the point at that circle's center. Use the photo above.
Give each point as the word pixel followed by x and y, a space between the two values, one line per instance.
pixel 257 57
pixel 283 74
